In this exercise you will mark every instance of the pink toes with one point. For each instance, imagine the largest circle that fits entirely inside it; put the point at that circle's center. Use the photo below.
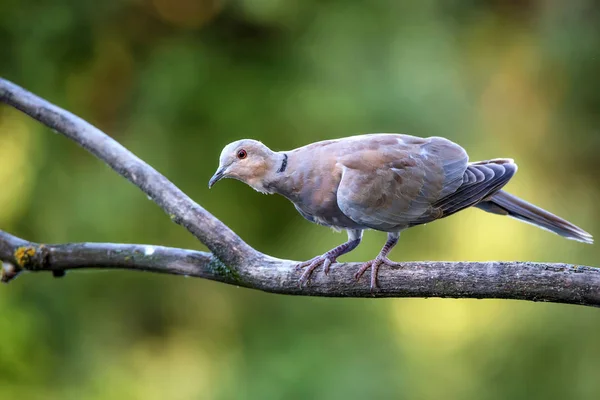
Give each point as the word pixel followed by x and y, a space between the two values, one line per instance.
pixel 313 264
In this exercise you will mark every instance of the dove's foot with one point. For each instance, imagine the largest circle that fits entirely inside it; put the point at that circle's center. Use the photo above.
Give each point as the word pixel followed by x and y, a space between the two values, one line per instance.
pixel 374 265
pixel 326 260
pixel 380 259
pixel 354 237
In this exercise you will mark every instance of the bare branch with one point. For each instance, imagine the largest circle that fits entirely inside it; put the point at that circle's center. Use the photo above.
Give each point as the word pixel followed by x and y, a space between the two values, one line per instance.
pixel 28 256
pixel 233 261
pixel 561 283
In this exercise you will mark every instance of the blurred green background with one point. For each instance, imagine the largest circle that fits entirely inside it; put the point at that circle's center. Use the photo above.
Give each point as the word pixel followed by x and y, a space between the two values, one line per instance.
pixel 176 80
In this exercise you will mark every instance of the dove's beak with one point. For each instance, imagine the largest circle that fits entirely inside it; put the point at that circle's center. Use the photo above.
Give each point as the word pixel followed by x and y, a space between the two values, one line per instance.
pixel 216 177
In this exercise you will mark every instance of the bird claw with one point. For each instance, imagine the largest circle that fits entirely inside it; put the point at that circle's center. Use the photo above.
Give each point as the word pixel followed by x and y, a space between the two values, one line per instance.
pixel 312 264
pixel 374 266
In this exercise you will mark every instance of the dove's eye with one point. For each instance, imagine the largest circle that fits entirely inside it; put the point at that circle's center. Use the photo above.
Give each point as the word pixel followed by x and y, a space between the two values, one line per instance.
pixel 241 154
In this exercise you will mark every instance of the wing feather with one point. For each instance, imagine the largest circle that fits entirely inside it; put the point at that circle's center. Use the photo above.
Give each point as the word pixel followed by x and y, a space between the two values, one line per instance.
pixel 388 187
pixel 481 180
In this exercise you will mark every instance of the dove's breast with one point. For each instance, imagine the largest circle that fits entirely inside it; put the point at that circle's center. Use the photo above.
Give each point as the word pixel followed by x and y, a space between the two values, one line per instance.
pixel 311 182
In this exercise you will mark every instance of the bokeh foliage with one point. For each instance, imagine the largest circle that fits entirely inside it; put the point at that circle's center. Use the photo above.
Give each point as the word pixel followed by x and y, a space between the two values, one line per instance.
pixel 176 80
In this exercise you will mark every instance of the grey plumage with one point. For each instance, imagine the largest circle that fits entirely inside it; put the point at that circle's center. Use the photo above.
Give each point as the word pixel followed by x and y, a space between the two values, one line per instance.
pixel 385 182
pixel 504 203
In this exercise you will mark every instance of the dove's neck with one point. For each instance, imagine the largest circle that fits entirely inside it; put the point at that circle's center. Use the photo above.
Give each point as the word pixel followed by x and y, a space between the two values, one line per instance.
pixel 277 179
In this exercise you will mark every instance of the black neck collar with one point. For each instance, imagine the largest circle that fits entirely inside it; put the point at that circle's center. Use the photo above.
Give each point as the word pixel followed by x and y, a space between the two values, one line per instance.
pixel 283 163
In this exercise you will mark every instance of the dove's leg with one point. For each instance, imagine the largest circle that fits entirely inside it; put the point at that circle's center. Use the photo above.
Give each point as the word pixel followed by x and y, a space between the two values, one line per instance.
pixel 354 238
pixel 381 258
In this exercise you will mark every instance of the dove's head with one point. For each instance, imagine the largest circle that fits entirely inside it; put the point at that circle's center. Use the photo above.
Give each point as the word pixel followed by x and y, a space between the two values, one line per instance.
pixel 248 161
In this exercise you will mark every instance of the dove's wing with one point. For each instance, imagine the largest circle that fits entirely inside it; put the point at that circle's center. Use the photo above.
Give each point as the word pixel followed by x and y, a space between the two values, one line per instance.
pixel 389 187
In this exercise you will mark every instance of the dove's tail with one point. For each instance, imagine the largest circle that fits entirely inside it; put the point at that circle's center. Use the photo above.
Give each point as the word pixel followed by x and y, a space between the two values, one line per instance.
pixel 504 203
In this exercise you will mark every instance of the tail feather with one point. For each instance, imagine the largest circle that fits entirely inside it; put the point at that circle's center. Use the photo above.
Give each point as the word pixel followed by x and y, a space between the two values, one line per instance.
pixel 504 203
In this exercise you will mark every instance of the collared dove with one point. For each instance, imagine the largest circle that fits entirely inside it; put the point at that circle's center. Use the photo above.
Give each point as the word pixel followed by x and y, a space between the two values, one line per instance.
pixel 384 182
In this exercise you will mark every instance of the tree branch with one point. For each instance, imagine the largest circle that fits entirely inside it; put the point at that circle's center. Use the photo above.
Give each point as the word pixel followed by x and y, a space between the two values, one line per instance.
pixel 235 262
pixel 509 280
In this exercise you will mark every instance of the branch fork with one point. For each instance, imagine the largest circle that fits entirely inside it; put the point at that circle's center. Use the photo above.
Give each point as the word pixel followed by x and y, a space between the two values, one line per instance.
pixel 233 261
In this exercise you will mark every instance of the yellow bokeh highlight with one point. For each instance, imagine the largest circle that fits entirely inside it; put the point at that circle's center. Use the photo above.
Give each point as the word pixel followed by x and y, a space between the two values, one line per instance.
pixel 435 334
pixel 18 159
pixel 174 368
